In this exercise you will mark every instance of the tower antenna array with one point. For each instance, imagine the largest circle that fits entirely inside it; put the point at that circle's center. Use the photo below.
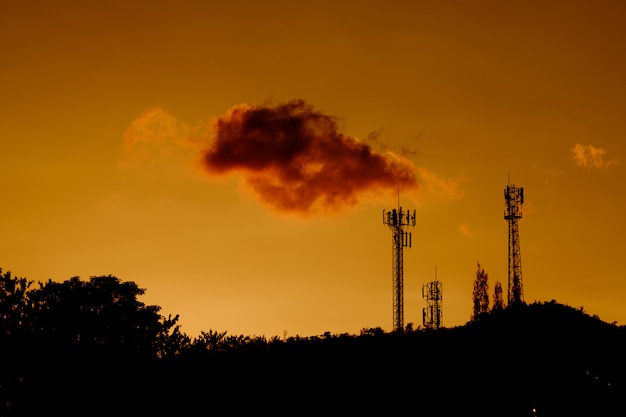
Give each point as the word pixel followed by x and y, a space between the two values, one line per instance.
pixel 398 220
pixel 432 292
pixel 514 198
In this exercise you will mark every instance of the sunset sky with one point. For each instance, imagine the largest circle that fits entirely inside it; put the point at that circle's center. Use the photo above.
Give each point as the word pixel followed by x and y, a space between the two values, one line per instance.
pixel 121 122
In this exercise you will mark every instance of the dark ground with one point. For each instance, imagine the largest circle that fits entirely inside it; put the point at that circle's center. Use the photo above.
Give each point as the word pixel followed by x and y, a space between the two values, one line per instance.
pixel 548 357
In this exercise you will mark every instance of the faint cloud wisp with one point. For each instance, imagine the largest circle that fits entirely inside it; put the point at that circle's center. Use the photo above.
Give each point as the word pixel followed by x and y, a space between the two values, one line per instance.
pixel 441 188
pixel 589 156
pixel 156 135
pixel 465 230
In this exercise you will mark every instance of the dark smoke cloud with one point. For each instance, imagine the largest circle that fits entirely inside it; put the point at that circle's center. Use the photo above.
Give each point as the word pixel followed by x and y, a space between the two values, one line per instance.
pixel 295 160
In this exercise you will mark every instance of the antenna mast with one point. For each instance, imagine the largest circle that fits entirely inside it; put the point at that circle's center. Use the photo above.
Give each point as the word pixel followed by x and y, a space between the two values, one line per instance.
pixel 397 220
pixel 432 292
pixel 514 198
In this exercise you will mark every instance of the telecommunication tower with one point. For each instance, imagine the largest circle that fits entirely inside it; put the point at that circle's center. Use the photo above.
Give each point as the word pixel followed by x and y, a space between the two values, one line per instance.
pixel 397 220
pixel 514 198
pixel 432 292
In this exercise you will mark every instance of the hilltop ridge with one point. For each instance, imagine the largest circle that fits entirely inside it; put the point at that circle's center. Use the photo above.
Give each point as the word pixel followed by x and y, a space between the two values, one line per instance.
pixel 91 348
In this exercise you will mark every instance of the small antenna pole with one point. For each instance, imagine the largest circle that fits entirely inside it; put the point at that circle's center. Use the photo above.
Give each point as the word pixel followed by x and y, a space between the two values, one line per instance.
pixel 432 314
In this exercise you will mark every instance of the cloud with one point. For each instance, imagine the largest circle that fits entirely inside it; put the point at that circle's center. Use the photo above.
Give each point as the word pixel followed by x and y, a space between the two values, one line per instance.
pixel 588 156
pixel 550 175
pixel 434 186
pixel 155 136
pixel 465 230
pixel 290 156
pixel 296 161
pixel 155 126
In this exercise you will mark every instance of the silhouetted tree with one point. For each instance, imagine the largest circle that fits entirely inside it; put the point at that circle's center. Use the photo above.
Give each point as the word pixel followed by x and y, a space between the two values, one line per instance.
pixel 498 298
pixel 481 293
pixel 13 302
pixel 102 314
pixel 211 341
pixel 372 331
pixel 14 342
pixel 80 343
pixel 171 341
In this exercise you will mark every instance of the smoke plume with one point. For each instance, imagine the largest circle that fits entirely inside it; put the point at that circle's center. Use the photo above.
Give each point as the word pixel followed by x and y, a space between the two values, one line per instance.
pixel 295 159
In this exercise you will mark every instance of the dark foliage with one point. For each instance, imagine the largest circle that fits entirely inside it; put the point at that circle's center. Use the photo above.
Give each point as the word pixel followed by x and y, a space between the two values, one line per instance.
pixel 91 348
pixel 64 343
pixel 480 295
pixel 498 297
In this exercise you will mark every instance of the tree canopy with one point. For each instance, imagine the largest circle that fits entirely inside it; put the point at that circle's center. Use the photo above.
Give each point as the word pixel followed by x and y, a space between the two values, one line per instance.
pixel 480 295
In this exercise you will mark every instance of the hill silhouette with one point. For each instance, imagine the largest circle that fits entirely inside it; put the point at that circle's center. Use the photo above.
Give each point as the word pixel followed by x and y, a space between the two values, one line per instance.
pixel 92 348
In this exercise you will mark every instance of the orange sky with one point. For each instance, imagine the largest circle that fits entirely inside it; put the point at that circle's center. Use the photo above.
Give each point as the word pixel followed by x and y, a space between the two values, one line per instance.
pixel 468 92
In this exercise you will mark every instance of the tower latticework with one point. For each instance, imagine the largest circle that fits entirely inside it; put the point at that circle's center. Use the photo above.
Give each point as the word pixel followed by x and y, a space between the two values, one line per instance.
pixel 432 315
pixel 514 198
pixel 398 221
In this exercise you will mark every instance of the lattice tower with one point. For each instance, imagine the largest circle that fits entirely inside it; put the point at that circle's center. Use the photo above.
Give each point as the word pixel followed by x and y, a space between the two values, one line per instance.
pixel 514 198
pixel 432 314
pixel 398 221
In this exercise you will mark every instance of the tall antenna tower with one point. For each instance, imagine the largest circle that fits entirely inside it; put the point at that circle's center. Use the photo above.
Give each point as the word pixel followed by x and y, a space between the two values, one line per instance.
pixel 432 292
pixel 514 198
pixel 398 221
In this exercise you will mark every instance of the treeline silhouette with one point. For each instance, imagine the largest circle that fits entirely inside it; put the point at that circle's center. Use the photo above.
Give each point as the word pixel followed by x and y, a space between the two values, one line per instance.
pixel 92 348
